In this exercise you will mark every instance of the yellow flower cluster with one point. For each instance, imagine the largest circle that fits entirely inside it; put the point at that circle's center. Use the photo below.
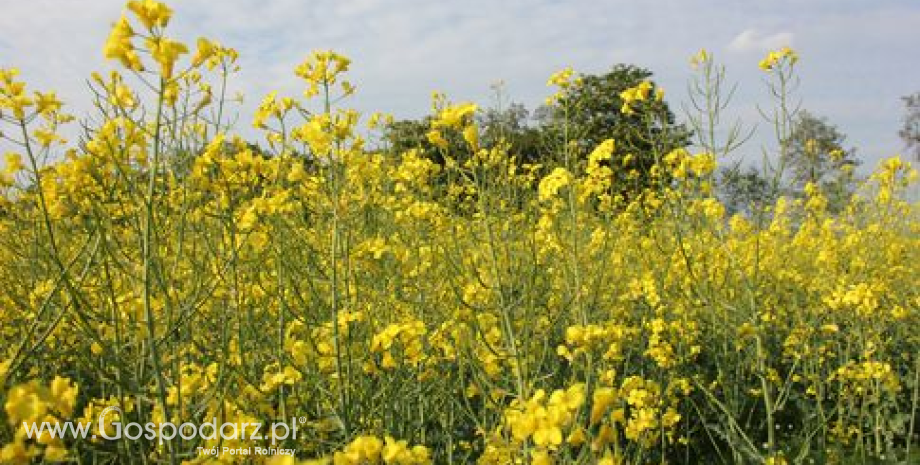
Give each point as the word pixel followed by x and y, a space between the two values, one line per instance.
pixel 553 182
pixel 453 117
pixel 13 97
pixel 32 404
pixel 608 341
pixel 543 419
pixel 407 337
pixel 563 80
pixel 119 46
pixel 639 93
pixel 598 173
pixel 701 58
pixel 151 13
pixel 322 70
pixel 776 57
pixel 683 164
pixel 371 450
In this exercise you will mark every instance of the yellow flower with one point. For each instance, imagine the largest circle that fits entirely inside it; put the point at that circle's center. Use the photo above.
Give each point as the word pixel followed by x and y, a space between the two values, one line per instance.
pixel 396 451
pixel 603 398
pixel 15 452
pixel 46 137
pixel 562 78
pixel 703 164
pixel 700 58
pixel 454 116
pixel 576 437
pixel 633 95
pixel 602 152
pixel 642 420
pixel 47 102
pixel 670 418
pixel 316 134
pixel 471 136
pixel 13 163
pixel 165 52
pixel 64 392
pixel 205 50
pixel 776 57
pixel 541 457
pixel 151 13
pixel 571 399
pixel 55 453
pixel 553 182
pixel 321 69
pixel 119 46
pixel 24 405
pixel 609 459
pixel 437 139
pixel 547 435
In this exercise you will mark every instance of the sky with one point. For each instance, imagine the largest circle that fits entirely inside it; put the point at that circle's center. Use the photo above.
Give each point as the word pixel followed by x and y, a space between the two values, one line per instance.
pixel 858 57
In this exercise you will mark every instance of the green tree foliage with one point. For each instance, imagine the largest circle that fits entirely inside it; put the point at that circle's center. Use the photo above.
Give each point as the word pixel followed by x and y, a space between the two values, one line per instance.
pixel 910 132
pixel 592 107
pixel 513 125
pixel 590 111
pixel 744 191
pixel 403 135
pixel 815 153
pixel 587 113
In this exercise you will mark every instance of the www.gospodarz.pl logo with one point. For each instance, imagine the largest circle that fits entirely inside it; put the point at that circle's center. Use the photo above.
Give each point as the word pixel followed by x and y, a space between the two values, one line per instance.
pixel 277 431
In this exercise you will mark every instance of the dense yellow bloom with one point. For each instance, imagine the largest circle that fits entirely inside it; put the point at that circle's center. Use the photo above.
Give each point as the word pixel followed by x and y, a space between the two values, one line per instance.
pixel 370 450
pixel 553 182
pixel 415 306
pixel 599 175
pixel 33 403
pixel 316 134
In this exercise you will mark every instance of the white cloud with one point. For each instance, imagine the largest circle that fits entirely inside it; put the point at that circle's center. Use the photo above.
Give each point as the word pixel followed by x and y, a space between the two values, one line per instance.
pixel 751 40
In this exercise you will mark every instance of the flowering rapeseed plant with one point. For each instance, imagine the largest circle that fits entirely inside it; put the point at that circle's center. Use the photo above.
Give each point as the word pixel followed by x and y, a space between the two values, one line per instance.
pixel 407 311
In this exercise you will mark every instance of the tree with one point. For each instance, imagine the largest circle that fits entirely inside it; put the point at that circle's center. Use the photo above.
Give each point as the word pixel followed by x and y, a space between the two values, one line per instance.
pixel 815 153
pixel 587 113
pixel 910 132
pixel 746 191
pixel 590 111
pixel 511 124
pixel 514 126
pixel 404 135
